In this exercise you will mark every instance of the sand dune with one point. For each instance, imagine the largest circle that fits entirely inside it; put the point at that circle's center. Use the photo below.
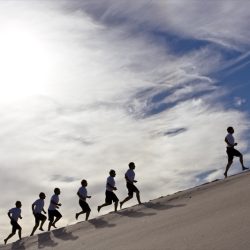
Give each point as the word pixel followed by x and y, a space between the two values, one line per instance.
pixel 214 216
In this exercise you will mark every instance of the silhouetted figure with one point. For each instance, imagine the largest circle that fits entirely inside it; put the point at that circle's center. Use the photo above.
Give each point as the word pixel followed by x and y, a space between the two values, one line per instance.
pixel 83 195
pixel 231 151
pixel 15 214
pixel 130 179
pixel 110 195
pixel 52 211
pixel 37 209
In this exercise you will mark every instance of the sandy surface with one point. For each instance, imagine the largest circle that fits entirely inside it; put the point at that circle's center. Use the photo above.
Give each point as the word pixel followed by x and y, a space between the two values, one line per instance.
pixel 208 217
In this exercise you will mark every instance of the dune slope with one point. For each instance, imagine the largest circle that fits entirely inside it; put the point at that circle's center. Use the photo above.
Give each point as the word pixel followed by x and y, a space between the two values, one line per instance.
pixel 211 216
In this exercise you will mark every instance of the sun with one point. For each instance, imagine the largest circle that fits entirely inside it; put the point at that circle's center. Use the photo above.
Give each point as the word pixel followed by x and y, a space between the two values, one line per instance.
pixel 24 62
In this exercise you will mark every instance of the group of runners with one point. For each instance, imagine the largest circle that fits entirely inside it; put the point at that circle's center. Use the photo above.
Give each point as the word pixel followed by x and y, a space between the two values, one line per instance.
pixel 54 215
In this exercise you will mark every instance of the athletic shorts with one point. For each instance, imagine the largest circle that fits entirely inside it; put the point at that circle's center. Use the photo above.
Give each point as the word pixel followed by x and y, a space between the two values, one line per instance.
pixel 131 189
pixel 39 217
pixel 110 196
pixel 231 152
pixel 84 205
pixel 54 213
pixel 15 226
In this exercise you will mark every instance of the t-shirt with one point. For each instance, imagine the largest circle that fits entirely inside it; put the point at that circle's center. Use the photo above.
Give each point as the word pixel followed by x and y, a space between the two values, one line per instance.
pixel 83 192
pixel 39 204
pixel 130 175
pixel 111 181
pixel 15 213
pixel 54 198
pixel 230 139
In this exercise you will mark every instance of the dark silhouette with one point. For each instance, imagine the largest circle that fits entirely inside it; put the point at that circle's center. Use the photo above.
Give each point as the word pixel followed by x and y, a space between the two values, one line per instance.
pixel 83 195
pixel 52 211
pixel 15 214
pixel 130 178
pixel 37 209
pixel 231 151
pixel 110 195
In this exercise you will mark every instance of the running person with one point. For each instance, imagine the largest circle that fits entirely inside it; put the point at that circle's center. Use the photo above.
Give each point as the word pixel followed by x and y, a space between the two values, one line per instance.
pixel 83 195
pixel 231 151
pixel 15 214
pixel 110 195
pixel 37 209
pixel 130 179
pixel 52 210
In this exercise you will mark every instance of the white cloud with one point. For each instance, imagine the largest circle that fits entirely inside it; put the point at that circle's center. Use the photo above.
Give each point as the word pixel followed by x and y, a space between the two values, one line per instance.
pixel 238 101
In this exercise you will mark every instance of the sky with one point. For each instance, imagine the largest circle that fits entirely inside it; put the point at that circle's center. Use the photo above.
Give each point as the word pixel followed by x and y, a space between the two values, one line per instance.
pixel 88 86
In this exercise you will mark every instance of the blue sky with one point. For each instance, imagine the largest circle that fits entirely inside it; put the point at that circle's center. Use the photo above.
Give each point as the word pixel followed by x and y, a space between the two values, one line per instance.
pixel 86 86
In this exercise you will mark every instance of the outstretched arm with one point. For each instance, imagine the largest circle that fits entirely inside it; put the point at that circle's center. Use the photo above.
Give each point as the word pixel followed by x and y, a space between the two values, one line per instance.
pixel 33 208
pixel 9 215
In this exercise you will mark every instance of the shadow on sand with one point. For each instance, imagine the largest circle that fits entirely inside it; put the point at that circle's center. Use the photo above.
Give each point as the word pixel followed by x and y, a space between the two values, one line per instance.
pixel 100 223
pixel 159 206
pixel 44 240
pixel 62 234
pixel 18 245
pixel 134 214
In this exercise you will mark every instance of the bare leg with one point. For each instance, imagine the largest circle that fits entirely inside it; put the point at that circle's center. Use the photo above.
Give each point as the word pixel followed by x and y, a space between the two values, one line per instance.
pixel 227 168
pixel 50 224
pixel 87 215
pixel 138 197
pixel 41 227
pixel 242 163
pixel 56 220
pixel 34 229
pixel 125 200
pixel 5 240
pixel 77 214
pixel 116 205
pixel 20 234
pixel 103 205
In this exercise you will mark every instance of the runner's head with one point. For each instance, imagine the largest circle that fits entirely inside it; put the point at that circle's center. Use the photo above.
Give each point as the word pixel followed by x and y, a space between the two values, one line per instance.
pixel 84 183
pixel 18 204
pixel 112 173
pixel 42 195
pixel 230 130
pixel 131 165
pixel 57 191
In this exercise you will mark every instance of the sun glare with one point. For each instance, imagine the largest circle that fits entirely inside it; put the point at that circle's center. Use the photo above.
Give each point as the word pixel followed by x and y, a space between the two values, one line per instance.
pixel 24 63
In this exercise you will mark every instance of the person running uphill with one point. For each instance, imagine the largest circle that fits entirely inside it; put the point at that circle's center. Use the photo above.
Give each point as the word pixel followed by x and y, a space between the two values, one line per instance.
pixel 15 214
pixel 83 195
pixel 37 209
pixel 231 151
pixel 110 195
pixel 130 178
pixel 52 211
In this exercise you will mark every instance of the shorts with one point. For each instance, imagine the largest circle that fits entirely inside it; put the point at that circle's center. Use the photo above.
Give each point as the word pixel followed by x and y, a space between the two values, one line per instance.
pixel 84 205
pixel 110 196
pixel 54 213
pixel 15 226
pixel 39 217
pixel 131 189
pixel 231 152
